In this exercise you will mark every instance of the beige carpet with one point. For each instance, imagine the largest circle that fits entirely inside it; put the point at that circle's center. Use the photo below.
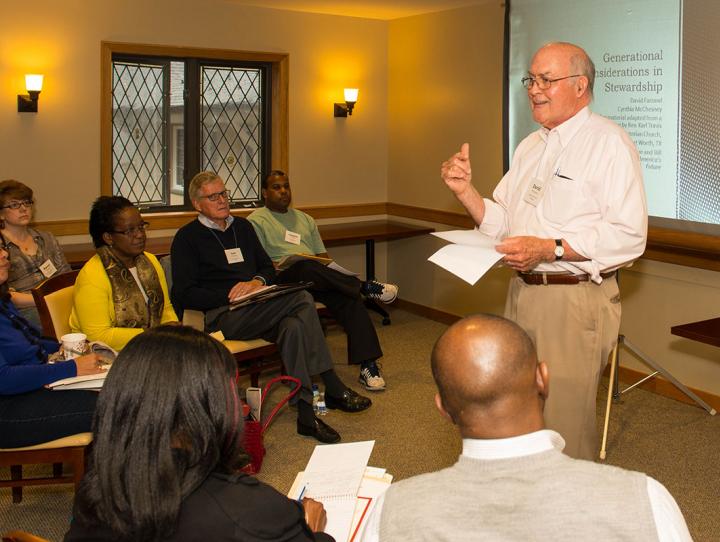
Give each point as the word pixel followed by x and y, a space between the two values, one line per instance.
pixel 671 441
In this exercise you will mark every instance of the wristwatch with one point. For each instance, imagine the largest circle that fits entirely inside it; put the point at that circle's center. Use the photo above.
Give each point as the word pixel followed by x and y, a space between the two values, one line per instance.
pixel 559 250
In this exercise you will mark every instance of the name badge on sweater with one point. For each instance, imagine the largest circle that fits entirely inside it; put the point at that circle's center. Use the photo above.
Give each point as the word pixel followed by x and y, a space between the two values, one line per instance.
pixel 48 268
pixel 234 255
pixel 292 237
pixel 535 192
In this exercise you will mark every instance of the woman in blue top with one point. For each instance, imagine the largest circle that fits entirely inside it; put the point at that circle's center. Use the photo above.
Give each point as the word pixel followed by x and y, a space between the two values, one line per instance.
pixel 30 413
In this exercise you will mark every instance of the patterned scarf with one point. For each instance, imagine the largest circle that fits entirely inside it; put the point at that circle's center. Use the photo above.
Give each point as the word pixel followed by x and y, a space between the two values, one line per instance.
pixel 130 307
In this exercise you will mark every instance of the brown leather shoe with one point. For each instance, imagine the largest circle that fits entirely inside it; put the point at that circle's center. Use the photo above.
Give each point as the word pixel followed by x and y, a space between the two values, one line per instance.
pixel 318 430
pixel 350 401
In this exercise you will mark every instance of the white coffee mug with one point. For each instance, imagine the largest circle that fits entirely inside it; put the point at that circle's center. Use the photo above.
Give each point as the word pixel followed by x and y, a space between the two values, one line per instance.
pixel 73 344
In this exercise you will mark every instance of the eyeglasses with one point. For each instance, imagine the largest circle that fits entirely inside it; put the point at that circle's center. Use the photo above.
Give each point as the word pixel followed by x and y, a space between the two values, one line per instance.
pixel 15 205
pixel 131 232
pixel 542 82
pixel 217 195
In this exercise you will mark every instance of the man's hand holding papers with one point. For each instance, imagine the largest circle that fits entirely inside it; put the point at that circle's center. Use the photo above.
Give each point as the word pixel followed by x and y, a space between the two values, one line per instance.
pixel 470 256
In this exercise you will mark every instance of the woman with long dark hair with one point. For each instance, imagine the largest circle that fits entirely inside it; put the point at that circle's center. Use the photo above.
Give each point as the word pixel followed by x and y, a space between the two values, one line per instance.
pixel 122 290
pixel 166 452
pixel 29 413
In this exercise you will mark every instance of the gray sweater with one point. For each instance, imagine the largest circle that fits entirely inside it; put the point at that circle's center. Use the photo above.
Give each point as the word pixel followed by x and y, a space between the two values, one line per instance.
pixel 544 496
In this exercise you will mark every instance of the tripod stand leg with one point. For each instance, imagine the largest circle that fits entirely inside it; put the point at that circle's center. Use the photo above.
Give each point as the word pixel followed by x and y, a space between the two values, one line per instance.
pixel 611 386
pixel 616 381
pixel 679 385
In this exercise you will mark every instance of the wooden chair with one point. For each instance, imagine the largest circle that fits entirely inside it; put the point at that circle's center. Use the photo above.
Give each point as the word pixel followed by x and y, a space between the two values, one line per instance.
pixel 69 449
pixel 53 299
pixel 21 536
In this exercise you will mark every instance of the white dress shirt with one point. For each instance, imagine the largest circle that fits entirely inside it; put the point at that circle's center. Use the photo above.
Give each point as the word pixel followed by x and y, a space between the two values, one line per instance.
pixel 593 194
pixel 205 221
pixel 669 521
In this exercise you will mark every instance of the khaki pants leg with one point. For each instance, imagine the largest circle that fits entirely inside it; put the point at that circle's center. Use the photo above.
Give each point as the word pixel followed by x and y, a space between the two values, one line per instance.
pixel 574 328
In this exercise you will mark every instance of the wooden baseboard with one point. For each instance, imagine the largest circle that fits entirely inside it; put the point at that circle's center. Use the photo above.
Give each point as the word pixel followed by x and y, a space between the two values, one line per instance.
pixel 663 387
pixel 427 312
pixel 628 376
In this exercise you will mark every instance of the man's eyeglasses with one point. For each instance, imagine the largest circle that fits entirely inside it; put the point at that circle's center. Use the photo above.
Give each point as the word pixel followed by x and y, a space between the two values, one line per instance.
pixel 15 205
pixel 542 82
pixel 217 195
pixel 131 232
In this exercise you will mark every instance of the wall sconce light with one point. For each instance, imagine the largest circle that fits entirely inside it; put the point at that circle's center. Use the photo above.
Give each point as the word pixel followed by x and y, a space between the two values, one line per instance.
pixel 345 109
pixel 28 103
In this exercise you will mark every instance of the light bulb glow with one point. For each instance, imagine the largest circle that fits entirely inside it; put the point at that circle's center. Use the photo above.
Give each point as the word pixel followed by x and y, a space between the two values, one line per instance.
pixel 351 95
pixel 33 82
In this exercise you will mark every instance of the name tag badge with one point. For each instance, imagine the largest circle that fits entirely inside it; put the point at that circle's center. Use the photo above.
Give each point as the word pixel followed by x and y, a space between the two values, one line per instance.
pixel 234 255
pixel 535 192
pixel 292 237
pixel 48 268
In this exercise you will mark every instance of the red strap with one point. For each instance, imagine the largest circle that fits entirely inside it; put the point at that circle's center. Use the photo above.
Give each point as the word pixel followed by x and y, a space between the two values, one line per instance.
pixel 289 396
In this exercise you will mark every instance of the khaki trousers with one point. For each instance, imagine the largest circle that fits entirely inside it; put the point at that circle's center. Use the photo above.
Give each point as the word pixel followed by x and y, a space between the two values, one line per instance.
pixel 574 328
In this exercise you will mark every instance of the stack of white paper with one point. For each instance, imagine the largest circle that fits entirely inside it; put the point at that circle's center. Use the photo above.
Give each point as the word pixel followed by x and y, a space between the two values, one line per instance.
pixel 333 476
pixel 471 255
pixel 374 483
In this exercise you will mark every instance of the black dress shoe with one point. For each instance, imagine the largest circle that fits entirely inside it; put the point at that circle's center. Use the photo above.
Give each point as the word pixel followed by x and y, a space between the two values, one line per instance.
pixel 319 430
pixel 349 401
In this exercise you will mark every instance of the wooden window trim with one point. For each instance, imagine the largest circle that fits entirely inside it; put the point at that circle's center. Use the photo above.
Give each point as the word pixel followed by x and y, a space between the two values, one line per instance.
pixel 279 143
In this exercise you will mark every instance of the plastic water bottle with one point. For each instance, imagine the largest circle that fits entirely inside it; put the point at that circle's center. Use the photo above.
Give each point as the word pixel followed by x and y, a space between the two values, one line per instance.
pixel 321 408
pixel 316 399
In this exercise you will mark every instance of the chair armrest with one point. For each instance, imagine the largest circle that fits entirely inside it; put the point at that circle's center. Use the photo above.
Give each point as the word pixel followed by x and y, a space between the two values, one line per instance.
pixel 194 319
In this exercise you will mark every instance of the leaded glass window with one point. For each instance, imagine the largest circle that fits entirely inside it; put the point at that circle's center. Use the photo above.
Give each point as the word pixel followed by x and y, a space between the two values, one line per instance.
pixel 174 117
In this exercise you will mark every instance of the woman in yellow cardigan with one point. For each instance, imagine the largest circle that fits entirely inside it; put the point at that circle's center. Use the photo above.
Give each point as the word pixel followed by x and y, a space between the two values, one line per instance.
pixel 121 291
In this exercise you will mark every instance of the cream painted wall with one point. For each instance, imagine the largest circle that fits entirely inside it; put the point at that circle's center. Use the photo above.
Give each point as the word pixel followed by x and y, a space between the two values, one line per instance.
pixel 332 161
pixel 445 87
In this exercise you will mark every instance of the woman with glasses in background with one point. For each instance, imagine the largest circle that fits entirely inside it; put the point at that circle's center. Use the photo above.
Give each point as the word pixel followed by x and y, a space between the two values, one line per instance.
pixel 34 255
pixel 121 291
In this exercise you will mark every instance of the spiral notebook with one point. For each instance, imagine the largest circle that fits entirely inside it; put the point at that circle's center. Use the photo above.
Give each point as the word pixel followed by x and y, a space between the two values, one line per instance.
pixel 333 476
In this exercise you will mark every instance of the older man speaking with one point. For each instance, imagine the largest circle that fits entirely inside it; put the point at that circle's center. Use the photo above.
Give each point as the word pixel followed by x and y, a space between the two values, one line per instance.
pixel 568 214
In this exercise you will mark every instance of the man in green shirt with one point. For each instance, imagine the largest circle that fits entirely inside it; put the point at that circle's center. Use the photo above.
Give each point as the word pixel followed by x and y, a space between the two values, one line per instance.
pixel 284 231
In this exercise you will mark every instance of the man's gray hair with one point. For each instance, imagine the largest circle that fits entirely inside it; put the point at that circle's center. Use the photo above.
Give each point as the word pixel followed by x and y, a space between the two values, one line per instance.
pixel 200 180
pixel 580 63
pixel 583 64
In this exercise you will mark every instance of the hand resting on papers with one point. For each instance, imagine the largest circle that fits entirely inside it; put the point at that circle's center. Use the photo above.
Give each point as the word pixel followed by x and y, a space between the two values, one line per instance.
pixel 244 288
pixel 89 364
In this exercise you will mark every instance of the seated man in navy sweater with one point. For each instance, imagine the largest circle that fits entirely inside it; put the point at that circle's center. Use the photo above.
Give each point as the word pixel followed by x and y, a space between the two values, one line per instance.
pixel 284 231
pixel 218 258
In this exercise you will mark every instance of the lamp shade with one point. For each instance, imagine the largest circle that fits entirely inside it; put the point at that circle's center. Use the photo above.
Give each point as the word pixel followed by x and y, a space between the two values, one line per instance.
pixel 351 95
pixel 33 82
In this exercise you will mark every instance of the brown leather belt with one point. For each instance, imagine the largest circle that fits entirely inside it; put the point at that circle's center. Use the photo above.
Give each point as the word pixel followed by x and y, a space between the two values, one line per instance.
pixel 557 278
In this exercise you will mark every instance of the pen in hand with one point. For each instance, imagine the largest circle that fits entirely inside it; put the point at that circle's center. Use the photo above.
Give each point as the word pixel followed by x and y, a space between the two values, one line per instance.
pixel 302 493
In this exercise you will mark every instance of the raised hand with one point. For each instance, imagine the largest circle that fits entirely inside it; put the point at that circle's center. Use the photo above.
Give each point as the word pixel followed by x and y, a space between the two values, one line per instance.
pixel 456 171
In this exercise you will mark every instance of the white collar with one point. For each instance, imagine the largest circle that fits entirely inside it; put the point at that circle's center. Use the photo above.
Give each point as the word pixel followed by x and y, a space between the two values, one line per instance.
pixel 205 221
pixel 569 128
pixel 506 448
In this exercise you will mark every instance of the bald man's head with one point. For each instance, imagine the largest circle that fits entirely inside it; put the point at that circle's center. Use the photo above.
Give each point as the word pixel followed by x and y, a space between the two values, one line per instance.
pixel 486 371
